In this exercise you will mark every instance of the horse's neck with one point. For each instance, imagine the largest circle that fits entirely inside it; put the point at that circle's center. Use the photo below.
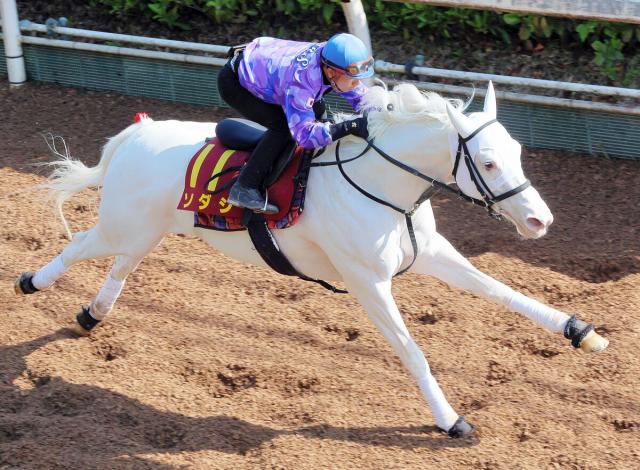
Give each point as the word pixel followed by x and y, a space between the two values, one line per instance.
pixel 428 152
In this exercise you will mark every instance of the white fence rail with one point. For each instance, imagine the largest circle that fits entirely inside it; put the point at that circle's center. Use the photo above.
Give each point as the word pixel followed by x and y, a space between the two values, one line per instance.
pixel 381 67
pixel 29 27
pixel 627 11
pixel 126 51
pixel 526 98
pixel 624 11
pixel 356 18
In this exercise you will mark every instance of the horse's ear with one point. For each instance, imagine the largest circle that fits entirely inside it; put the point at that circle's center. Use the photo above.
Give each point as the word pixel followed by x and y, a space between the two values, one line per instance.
pixel 490 106
pixel 462 123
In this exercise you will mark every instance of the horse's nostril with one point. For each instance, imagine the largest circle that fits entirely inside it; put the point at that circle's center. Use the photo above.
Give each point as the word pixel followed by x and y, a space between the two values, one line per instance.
pixel 535 223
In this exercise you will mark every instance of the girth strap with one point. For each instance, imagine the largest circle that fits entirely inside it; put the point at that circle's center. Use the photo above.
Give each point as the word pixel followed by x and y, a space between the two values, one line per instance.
pixel 269 250
pixel 414 243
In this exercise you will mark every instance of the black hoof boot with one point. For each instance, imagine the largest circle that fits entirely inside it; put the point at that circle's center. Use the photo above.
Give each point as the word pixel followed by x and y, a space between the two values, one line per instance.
pixel 86 322
pixel 576 330
pixel 461 429
pixel 24 284
pixel 250 198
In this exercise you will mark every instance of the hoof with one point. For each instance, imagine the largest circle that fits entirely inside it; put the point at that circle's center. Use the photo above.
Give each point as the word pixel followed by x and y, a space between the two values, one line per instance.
pixel 593 343
pixel 583 336
pixel 85 322
pixel 461 429
pixel 79 330
pixel 24 284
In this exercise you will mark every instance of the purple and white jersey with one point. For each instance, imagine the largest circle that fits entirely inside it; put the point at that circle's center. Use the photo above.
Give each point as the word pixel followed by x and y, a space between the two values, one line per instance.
pixel 289 73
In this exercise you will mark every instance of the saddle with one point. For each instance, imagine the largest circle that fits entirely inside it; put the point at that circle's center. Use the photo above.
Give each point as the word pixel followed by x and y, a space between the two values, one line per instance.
pixel 241 134
pixel 213 170
pixel 215 166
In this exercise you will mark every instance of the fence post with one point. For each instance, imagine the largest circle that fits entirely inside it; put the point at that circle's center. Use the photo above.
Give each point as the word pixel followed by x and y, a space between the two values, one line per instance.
pixel 357 20
pixel 12 43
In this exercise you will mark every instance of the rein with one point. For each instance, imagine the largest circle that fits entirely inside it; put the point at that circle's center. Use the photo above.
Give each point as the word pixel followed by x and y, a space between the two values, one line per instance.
pixel 487 201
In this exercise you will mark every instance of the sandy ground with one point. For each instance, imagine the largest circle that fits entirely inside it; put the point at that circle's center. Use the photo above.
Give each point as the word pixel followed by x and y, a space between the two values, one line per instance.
pixel 208 363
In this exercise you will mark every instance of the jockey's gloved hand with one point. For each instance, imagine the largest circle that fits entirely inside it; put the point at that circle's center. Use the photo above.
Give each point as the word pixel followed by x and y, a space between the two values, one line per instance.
pixel 357 127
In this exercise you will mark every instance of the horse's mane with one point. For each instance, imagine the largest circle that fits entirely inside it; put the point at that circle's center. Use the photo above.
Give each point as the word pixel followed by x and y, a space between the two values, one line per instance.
pixel 404 103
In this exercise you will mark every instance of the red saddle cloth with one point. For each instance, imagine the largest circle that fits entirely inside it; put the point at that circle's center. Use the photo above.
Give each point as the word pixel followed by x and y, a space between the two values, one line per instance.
pixel 212 171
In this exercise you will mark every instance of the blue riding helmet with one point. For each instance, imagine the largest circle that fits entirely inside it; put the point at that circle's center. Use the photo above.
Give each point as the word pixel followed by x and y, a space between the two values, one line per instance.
pixel 347 53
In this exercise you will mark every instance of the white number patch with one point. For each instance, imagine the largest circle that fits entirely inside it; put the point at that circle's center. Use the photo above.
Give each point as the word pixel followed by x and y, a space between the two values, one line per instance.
pixel 305 56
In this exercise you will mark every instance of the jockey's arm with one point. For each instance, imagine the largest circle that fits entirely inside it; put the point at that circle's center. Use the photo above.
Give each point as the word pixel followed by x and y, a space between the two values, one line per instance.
pixel 310 133
pixel 304 128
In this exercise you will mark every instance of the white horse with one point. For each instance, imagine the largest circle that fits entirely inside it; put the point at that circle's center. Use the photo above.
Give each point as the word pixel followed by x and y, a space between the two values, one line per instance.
pixel 342 235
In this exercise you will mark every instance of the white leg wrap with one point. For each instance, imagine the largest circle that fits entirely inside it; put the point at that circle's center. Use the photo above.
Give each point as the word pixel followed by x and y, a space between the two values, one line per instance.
pixel 107 296
pixel 442 412
pixel 548 317
pixel 48 274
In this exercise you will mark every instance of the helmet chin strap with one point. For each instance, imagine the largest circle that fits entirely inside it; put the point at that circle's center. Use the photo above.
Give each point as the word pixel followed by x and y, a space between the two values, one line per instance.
pixel 333 83
pixel 335 86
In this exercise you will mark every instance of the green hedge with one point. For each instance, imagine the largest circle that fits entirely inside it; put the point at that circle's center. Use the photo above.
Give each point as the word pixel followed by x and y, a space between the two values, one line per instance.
pixel 609 41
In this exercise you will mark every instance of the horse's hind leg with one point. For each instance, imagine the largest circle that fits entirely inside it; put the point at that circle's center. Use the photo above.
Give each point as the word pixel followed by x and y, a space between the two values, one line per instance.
pixel 91 315
pixel 83 246
pixel 94 243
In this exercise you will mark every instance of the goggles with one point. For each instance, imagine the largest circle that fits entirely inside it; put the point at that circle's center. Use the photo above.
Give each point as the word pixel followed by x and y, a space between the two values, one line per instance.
pixel 354 69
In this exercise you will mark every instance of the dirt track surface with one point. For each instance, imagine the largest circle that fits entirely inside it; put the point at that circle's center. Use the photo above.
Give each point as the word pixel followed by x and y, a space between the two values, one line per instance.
pixel 208 363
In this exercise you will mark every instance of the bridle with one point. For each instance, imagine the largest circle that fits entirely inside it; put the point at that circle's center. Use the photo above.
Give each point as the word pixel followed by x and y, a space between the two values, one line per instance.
pixel 488 198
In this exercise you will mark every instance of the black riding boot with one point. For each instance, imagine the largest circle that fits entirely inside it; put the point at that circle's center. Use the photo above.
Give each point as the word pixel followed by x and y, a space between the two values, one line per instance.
pixel 246 190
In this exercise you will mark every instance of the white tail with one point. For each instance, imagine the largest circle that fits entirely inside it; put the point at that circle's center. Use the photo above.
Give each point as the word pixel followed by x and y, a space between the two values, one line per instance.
pixel 72 176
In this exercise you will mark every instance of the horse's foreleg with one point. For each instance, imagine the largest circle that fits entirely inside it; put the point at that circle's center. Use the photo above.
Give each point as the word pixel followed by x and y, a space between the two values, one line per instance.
pixel 376 298
pixel 443 261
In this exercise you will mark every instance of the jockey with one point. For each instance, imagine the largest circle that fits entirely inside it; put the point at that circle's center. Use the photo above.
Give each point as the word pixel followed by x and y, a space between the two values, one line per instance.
pixel 280 84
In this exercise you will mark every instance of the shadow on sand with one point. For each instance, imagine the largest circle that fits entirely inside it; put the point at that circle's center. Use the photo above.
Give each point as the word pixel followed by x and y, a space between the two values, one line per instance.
pixel 61 424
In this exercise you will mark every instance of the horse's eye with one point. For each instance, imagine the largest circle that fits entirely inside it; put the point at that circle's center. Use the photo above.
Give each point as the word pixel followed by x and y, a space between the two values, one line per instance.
pixel 489 166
